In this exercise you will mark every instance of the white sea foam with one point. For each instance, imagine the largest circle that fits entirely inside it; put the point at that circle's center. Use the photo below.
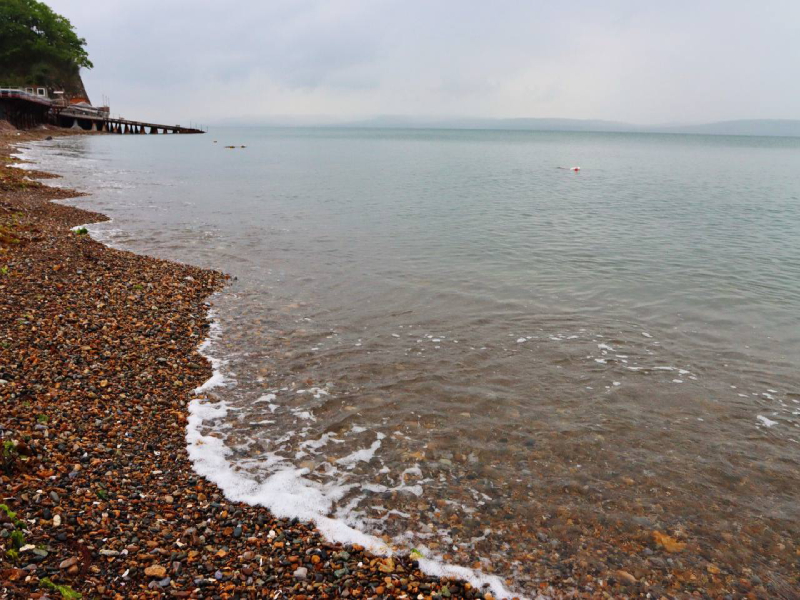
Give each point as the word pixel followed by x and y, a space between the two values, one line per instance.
pixel 217 378
pixel 100 232
pixel 306 415
pixel 766 421
pixel 314 391
pixel 415 470
pixel 322 441
pixel 286 492
pixel 362 455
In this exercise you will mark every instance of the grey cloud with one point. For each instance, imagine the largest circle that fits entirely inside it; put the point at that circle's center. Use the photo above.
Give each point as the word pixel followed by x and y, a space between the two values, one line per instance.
pixel 616 60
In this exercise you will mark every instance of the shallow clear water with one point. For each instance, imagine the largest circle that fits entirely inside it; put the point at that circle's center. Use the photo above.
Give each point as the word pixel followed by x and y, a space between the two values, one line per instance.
pixel 501 357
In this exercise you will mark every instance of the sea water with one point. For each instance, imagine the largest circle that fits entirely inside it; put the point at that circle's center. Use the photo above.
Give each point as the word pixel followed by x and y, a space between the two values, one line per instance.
pixel 449 341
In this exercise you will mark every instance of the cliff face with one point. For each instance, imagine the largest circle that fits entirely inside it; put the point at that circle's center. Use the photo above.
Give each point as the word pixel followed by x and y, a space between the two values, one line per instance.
pixel 75 91
pixel 70 83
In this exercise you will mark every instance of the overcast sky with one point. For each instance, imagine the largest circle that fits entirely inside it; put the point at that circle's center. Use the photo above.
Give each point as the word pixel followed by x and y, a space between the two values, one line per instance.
pixel 638 61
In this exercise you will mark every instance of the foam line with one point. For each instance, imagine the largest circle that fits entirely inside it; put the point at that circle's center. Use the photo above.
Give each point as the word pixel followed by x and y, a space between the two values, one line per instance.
pixel 287 493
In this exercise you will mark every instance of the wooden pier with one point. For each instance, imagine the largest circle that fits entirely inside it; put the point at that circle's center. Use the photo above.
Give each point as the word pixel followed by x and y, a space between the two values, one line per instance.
pixel 26 110
pixel 99 122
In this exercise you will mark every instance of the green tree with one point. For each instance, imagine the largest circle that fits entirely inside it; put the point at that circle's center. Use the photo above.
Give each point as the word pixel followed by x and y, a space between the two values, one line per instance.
pixel 38 46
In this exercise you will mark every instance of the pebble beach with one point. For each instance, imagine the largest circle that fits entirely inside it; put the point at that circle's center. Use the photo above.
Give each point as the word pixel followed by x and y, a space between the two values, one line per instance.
pixel 99 360
pixel 98 364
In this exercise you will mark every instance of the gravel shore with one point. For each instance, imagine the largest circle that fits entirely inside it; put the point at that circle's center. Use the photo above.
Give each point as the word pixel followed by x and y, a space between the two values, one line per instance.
pixel 98 360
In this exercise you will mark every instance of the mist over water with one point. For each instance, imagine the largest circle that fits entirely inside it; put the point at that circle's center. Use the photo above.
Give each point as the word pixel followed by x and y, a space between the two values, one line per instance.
pixel 460 344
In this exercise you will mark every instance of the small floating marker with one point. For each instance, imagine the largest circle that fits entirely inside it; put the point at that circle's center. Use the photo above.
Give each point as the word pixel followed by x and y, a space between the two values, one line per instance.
pixel 575 169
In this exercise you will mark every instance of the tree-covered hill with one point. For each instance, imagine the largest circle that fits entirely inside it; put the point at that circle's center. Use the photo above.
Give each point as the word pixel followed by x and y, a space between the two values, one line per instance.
pixel 39 47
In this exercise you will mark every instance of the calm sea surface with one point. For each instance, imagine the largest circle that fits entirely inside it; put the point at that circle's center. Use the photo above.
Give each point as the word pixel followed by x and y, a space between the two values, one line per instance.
pixel 467 348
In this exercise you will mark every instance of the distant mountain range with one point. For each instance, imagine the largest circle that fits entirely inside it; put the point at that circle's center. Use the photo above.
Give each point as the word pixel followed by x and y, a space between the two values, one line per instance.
pixel 750 127
pixel 753 127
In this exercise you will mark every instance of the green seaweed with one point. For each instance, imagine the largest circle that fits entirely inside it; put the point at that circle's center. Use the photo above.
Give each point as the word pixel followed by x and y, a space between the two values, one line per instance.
pixel 65 591
pixel 12 516
pixel 10 457
pixel 17 539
